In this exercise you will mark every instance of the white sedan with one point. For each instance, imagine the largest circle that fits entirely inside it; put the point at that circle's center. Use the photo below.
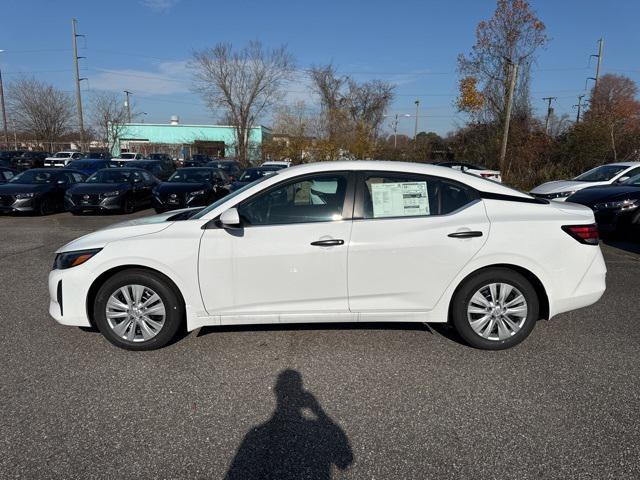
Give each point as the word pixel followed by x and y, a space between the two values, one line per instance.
pixel 609 174
pixel 350 241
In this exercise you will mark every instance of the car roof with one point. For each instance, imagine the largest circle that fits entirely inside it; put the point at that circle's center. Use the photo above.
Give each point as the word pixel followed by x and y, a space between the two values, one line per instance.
pixel 623 164
pixel 473 181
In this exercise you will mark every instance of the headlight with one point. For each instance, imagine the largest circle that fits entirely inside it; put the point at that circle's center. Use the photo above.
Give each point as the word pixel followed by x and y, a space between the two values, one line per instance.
pixel 73 259
pixel 115 193
pixel 619 204
pixel 197 192
pixel 561 194
pixel 20 196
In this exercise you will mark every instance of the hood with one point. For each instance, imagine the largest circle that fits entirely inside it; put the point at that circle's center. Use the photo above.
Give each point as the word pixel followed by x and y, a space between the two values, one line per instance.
pixel 179 187
pixel 97 187
pixel 591 196
pixel 564 186
pixel 13 188
pixel 119 231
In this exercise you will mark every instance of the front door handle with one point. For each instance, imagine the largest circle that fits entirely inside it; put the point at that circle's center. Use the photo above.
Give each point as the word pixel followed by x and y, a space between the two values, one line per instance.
pixel 327 243
pixel 468 234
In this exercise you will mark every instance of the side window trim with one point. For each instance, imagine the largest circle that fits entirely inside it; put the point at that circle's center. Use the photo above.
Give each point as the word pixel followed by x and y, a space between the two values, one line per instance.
pixel 362 190
pixel 347 207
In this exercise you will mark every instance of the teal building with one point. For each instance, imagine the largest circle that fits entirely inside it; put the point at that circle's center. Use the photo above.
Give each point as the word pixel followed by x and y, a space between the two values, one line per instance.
pixel 182 140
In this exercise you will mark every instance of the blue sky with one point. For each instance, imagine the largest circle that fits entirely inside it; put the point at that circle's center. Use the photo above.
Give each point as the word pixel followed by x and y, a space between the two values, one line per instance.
pixel 143 46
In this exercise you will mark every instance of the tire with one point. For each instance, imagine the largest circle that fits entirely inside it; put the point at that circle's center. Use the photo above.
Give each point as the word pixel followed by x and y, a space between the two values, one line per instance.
pixel 45 207
pixel 496 332
pixel 117 329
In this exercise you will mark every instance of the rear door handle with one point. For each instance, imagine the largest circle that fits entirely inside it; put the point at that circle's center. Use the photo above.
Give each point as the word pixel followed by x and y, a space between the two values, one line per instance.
pixel 469 234
pixel 327 243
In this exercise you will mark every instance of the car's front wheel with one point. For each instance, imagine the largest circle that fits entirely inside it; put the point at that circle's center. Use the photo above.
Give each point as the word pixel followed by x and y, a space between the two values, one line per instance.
pixel 495 309
pixel 138 310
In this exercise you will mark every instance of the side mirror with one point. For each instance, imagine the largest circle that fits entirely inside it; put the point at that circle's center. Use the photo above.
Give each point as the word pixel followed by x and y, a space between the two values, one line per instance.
pixel 230 219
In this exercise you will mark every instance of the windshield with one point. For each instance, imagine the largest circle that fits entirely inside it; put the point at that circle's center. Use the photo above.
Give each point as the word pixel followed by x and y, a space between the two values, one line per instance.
pixel 62 155
pixel 255 173
pixel 33 176
pixel 128 156
pixel 216 204
pixel 602 173
pixel 190 176
pixel 110 176
pixel 84 164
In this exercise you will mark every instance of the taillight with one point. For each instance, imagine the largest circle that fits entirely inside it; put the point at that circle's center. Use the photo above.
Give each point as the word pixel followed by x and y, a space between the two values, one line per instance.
pixel 583 233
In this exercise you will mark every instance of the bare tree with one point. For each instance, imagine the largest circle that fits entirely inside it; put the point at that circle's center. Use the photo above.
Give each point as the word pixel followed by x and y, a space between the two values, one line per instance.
pixel 108 117
pixel 39 110
pixel 245 83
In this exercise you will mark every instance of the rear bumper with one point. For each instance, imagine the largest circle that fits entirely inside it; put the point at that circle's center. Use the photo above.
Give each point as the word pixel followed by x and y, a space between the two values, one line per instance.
pixel 588 291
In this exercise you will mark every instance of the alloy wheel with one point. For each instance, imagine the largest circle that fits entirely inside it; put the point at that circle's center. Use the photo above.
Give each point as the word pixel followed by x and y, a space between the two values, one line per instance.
pixel 135 313
pixel 497 311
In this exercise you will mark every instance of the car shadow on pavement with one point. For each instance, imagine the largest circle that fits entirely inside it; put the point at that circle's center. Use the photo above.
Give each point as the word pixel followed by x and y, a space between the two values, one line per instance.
pixel 299 440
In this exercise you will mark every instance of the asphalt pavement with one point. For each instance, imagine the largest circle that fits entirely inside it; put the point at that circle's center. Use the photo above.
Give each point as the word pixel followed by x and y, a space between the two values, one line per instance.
pixel 365 401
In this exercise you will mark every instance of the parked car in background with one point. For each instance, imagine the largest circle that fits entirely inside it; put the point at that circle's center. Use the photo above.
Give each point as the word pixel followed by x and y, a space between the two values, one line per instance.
pixel 158 168
pixel 608 174
pixel 338 242
pixel 88 166
pixel 160 156
pixel 7 174
pixel 7 156
pixel 197 160
pixel 112 189
pixel 478 170
pixel 99 155
pixel 253 174
pixel 39 190
pixel 190 187
pixel 230 167
pixel 277 163
pixel 30 159
pixel 616 207
pixel 128 156
pixel 61 159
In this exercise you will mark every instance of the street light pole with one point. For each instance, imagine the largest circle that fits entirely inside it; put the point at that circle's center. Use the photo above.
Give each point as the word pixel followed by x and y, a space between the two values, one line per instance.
pixel 415 131
pixel 127 93
pixel 4 112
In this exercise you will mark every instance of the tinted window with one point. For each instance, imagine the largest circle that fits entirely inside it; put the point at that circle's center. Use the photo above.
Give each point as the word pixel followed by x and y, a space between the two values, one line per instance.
pixel 389 195
pixel 634 176
pixel 7 175
pixel 110 176
pixel 317 198
pixel 191 176
pixel 252 174
pixel 33 176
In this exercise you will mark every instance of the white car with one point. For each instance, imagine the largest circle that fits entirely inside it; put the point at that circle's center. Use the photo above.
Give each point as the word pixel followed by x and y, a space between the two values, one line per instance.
pixel 277 163
pixel 350 241
pixel 61 159
pixel 128 156
pixel 603 175
pixel 483 172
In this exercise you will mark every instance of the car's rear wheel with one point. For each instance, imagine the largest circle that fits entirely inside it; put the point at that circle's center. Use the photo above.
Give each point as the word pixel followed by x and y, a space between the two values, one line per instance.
pixel 495 309
pixel 138 310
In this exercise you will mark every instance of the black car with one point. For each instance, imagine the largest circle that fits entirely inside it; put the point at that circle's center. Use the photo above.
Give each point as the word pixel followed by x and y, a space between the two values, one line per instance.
pixel 230 167
pixel 99 155
pixel 88 166
pixel 616 207
pixel 253 174
pixel 7 156
pixel 39 190
pixel 158 168
pixel 197 160
pixel 160 156
pixel 190 187
pixel 7 174
pixel 112 189
pixel 30 160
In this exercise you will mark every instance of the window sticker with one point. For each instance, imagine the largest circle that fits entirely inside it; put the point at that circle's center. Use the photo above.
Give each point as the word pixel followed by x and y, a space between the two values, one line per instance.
pixel 399 199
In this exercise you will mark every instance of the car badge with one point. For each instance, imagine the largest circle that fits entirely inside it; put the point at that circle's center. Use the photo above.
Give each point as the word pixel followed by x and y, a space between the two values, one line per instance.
pixel 173 195
pixel 85 197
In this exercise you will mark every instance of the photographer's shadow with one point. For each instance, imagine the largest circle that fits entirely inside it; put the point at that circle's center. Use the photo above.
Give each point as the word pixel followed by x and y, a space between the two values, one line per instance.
pixel 298 441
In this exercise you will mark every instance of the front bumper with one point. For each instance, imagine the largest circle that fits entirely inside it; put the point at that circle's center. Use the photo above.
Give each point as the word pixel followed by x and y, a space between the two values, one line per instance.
pixel 67 297
pixel 611 220
pixel 22 205
pixel 93 203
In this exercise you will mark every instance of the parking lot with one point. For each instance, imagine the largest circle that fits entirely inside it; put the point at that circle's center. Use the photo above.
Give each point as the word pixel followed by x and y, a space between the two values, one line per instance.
pixel 392 400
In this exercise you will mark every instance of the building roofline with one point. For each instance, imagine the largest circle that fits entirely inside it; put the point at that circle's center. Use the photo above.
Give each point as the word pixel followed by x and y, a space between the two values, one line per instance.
pixel 136 124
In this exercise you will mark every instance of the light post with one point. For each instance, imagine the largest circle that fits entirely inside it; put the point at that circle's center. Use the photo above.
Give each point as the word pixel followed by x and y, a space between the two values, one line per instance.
pixel 4 112
pixel 394 125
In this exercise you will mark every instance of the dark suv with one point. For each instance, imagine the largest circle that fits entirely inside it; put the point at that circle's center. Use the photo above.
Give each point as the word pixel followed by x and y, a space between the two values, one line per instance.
pixel 30 160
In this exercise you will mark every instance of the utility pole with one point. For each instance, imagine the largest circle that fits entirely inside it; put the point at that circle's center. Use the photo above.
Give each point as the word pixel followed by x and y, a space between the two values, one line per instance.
pixel 579 106
pixel 395 132
pixel 128 105
pixel 4 112
pixel 74 37
pixel 549 112
pixel 415 130
pixel 507 119
pixel 599 62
